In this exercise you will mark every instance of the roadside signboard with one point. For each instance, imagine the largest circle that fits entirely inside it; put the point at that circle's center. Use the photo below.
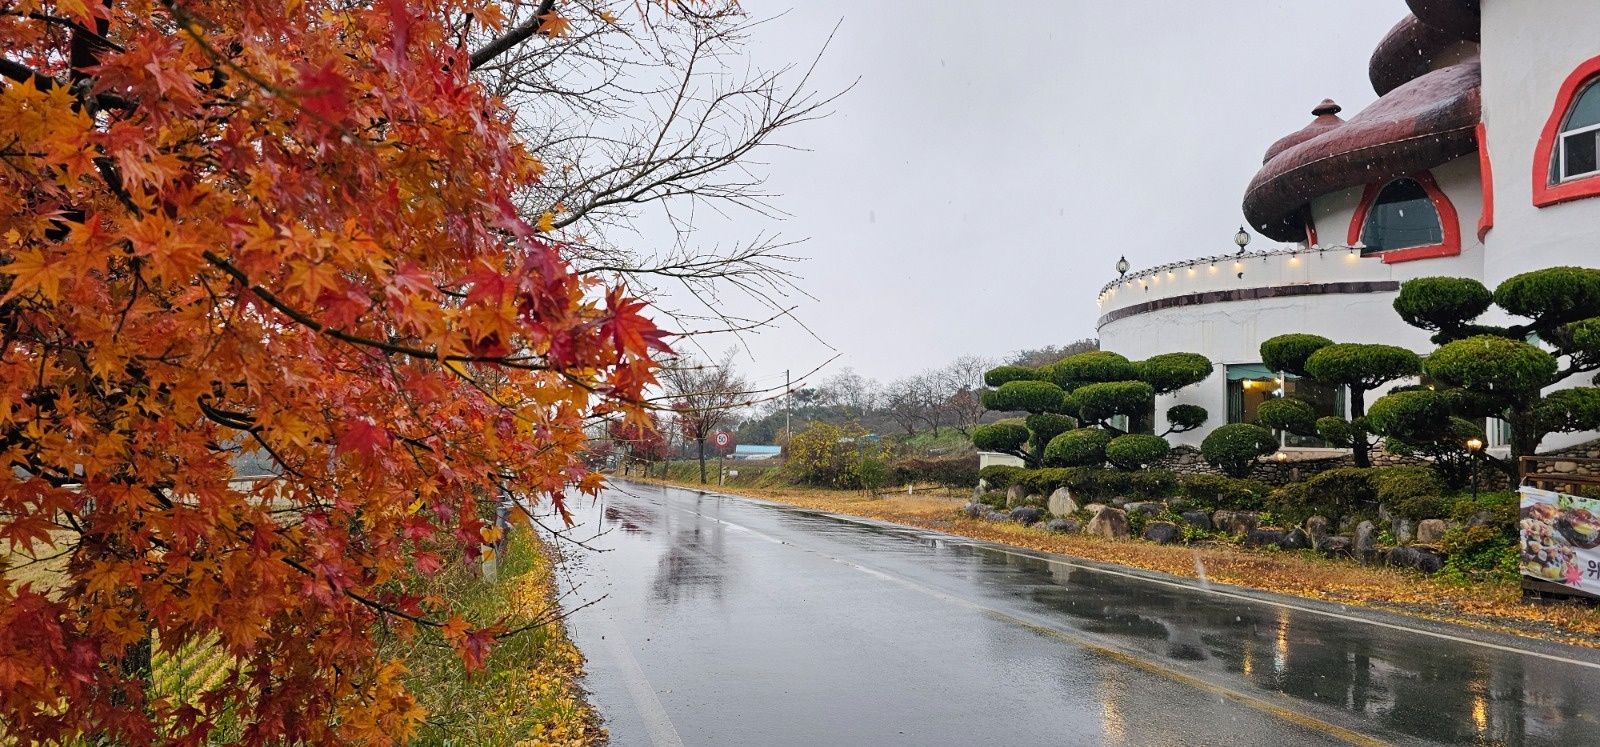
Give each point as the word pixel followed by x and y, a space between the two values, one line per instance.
pixel 1560 548
pixel 722 439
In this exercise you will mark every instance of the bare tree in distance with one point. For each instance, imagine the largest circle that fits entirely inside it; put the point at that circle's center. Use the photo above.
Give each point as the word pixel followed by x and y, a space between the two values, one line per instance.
pixel 644 114
pixel 705 396
pixel 963 382
pixel 1049 354
pixel 855 393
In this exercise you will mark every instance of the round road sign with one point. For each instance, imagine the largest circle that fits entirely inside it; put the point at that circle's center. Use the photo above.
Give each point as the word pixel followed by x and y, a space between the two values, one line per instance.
pixel 723 438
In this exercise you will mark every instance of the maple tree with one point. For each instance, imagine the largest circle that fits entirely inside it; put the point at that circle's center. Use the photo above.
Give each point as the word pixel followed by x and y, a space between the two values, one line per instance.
pixel 642 441
pixel 283 231
pixel 704 397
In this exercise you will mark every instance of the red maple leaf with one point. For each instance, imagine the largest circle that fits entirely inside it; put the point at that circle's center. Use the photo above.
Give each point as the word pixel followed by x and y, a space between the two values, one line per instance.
pixel 363 437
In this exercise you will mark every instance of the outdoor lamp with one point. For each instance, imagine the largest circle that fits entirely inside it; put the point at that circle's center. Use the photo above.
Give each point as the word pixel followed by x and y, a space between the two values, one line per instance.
pixel 1122 266
pixel 1474 444
pixel 1281 457
pixel 1242 238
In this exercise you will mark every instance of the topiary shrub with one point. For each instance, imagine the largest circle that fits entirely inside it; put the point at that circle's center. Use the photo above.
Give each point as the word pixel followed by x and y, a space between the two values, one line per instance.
pixel 1046 427
pixel 1084 447
pixel 1217 491
pixel 999 476
pixel 1088 368
pixel 1029 396
pixel 1411 492
pixel 1440 303
pixel 1170 372
pixel 1341 491
pixel 1289 352
pixel 1235 448
pixel 997 377
pixel 1553 294
pixel 1005 438
pixel 1097 402
pixel 1489 362
pixel 1181 418
pixel 1288 414
pixel 996 498
pixel 1136 450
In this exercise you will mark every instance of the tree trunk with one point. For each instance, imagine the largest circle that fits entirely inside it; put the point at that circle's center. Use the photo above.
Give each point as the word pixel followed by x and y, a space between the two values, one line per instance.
pixel 1361 447
pixel 701 443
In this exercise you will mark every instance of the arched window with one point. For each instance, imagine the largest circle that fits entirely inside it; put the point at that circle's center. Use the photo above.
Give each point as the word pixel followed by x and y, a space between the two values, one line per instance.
pixel 1404 219
pixel 1401 217
pixel 1578 144
pixel 1567 164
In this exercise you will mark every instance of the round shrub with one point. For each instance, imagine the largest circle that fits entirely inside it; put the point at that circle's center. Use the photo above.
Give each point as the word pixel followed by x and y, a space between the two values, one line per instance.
pixel 995 498
pixel 1091 367
pixel 1440 302
pixel 1046 427
pixel 1411 492
pixel 1289 352
pixel 1234 448
pixel 1170 372
pixel 1492 364
pixel 1084 447
pixel 1288 414
pixel 1568 410
pixel 1003 375
pixel 1186 417
pixel 1341 491
pixel 1136 450
pixel 1217 491
pixel 1002 437
pixel 1100 401
pixel 1340 432
pixel 1551 295
pixel 1029 396
pixel 1410 415
pixel 998 477
pixel 1362 366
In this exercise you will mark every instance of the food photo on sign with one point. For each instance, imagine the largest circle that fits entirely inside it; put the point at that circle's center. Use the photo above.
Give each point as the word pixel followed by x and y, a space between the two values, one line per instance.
pixel 1560 537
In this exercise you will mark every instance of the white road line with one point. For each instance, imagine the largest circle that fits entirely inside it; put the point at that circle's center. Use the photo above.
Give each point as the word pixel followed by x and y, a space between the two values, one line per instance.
pixel 656 722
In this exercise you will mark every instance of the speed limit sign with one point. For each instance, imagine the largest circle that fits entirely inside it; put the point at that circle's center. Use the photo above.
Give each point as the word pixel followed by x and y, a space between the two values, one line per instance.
pixel 723 438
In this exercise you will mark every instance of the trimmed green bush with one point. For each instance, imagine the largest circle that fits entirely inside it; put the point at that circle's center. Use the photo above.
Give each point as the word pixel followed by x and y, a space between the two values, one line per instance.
pixel 996 498
pixel 1088 368
pixel 1288 414
pixel 1343 490
pixel 1170 372
pixel 1005 438
pixel 1084 447
pixel 999 476
pixel 1046 427
pixel 1216 491
pixel 1181 418
pixel 1289 352
pixel 1091 484
pixel 1235 448
pixel 1412 492
pixel 1551 295
pixel 1494 363
pixel 1360 366
pixel 1441 303
pixel 1136 450
pixel 1097 402
pixel 997 377
pixel 1029 396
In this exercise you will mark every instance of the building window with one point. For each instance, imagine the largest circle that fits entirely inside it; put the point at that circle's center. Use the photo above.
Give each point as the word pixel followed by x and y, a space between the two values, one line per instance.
pixel 1577 154
pixel 1405 219
pixel 1327 401
pixel 1566 165
pixel 1402 216
pixel 1252 384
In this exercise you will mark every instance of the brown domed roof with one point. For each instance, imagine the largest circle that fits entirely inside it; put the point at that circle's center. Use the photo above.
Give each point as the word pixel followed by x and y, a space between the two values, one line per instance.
pixel 1459 17
pixel 1327 118
pixel 1406 53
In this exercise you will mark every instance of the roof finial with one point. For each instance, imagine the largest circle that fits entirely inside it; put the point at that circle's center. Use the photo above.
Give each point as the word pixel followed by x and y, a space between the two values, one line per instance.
pixel 1327 107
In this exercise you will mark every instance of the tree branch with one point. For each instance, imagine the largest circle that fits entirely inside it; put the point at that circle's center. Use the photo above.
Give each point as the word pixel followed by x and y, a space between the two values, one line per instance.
pixel 512 38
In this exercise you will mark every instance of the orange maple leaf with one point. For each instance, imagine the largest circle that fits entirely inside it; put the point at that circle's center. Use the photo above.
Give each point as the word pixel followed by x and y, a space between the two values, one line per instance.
pixel 554 25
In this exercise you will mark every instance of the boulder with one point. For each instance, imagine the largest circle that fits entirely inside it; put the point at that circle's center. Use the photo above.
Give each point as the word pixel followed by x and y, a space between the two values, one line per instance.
pixel 1094 508
pixel 1236 523
pixel 1316 529
pixel 1063 526
pixel 975 510
pixel 1148 508
pixel 1265 536
pixel 1384 515
pixel 1416 557
pixel 1347 524
pixel 1480 519
pixel 1119 501
pixel 1110 523
pixel 1026 515
pixel 1197 518
pixel 1366 544
pixel 994 515
pixel 1296 539
pixel 1335 545
pixel 1404 530
pixel 1431 531
pixel 1017 495
pixel 1061 503
pixel 1162 532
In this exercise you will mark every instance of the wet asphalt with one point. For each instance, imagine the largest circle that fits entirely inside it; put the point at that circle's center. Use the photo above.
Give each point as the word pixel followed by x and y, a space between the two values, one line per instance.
pixel 717 620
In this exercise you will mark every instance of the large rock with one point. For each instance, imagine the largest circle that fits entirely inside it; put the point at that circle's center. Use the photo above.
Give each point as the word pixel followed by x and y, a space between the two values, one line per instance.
pixel 1197 518
pixel 1416 557
pixel 1335 545
pixel 1296 539
pixel 1404 531
pixel 1148 508
pixel 1094 508
pixel 1431 531
pixel 1384 515
pixel 1162 532
pixel 1017 495
pixel 1236 523
pixel 1347 524
pixel 994 515
pixel 1480 519
pixel 1111 523
pixel 1061 503
pixel 1063 526
pixel 1366 547
pixel 1026 515
pixel 1119 501
pixel 1265 536
pixel 976 510
pixel 1317 529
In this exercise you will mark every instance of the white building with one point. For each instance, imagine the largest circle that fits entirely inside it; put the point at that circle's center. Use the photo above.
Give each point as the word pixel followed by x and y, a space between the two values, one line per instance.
pixel 1481 158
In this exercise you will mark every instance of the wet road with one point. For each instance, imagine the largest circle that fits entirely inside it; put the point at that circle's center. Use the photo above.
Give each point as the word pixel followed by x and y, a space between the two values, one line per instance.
pixel 727 621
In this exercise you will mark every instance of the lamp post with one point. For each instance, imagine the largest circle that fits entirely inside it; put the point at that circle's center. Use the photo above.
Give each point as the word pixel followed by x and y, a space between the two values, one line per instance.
pixel 1242 238
pixel 1473 447
pixel 1122 266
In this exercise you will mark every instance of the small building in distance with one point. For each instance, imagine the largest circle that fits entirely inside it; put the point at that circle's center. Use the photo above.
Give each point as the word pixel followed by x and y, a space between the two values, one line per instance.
pixel 756 451
pixel 1480 159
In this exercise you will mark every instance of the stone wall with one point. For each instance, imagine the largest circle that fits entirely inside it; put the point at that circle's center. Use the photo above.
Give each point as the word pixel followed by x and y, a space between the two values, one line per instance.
pixel 1186 460
pixel 1590 450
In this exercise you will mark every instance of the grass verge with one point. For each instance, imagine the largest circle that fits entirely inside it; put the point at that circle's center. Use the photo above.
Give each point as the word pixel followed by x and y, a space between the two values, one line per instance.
pixel 1489 606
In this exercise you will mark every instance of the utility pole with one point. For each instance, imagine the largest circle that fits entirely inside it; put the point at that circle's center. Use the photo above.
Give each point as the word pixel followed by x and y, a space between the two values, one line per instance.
pixel 788 393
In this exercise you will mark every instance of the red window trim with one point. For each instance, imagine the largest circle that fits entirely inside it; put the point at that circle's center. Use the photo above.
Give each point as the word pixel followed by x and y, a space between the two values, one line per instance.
pixel 1546 194
pixel 1486 170
pixel 1449 220
pixel 1311 230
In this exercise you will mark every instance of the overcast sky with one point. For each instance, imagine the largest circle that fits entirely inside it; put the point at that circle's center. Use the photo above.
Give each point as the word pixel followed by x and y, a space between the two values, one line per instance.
pixel 973 191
